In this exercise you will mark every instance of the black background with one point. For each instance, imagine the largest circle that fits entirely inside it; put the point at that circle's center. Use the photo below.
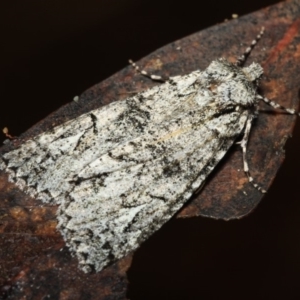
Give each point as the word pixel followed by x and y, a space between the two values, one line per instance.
pixel 53 50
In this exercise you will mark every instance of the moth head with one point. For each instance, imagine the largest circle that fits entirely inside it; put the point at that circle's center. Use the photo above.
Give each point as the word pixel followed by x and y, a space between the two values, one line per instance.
pixel 223 70
pixel 253 72
pixel 220 70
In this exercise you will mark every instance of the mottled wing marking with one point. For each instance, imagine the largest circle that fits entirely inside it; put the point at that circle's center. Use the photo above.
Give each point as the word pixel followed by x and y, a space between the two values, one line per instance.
pixel 119 172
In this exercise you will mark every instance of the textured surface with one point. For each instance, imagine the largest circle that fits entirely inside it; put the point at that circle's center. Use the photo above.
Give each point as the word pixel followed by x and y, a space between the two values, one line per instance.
pixel 121 171
pixel 32 227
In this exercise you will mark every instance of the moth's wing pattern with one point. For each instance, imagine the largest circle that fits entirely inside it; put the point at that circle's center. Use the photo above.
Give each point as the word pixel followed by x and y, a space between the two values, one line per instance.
pixel 121 171
pixel 45 165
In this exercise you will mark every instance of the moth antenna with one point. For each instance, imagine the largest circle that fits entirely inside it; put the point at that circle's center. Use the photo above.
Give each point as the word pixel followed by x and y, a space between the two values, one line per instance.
pixel 290 111
pixel 242 59
pixel 145 73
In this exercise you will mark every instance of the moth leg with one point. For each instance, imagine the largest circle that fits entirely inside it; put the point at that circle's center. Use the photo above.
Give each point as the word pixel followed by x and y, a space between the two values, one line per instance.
pixel 291 111
pixel 243 145
pixel 145 73
pixel 241 60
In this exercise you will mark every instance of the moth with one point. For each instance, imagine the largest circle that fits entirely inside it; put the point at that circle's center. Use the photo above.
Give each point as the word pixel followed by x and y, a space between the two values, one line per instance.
pixel 119 172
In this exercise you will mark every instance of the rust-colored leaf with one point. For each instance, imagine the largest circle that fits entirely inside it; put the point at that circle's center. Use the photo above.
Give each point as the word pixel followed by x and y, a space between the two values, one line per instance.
pixel 35 262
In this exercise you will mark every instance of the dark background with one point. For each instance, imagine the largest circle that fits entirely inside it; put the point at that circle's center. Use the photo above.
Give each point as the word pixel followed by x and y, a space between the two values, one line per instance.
pixel 53 50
